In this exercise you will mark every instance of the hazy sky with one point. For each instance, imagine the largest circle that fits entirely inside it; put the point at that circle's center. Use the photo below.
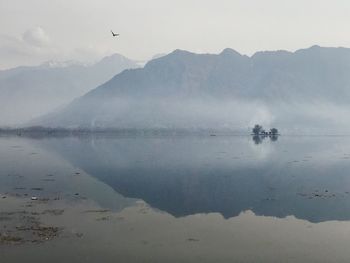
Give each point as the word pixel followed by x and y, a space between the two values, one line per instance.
pixel 33 31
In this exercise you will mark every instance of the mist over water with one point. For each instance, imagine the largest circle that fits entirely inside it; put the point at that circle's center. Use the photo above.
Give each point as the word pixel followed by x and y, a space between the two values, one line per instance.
pixel 317 118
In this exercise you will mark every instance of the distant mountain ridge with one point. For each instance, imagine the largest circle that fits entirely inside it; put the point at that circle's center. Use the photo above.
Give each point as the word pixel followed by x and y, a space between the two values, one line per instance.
pixel 28 92
pixel 184 89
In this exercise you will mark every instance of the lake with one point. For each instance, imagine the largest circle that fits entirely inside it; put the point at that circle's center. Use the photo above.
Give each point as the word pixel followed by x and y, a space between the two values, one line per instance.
pixel 174 198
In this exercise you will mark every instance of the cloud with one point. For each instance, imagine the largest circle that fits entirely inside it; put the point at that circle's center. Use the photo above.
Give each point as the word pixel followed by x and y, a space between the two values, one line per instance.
pixel 35 46
pixel 36 37
pixel 32 47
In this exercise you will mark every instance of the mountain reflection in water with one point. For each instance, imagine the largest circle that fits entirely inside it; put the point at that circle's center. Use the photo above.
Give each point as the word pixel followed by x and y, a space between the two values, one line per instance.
pixel 183 175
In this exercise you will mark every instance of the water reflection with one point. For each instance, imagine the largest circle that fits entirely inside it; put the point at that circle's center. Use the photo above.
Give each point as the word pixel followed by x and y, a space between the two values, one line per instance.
pixel 301 176
pixel 258 139
pixel 216 188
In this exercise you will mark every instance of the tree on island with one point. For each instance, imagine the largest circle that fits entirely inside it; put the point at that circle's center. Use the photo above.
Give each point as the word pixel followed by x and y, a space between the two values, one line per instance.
pixel 257 129
pixel 274 131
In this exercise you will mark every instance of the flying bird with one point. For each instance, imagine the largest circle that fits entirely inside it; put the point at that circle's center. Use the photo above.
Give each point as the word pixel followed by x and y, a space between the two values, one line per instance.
pixel 115 35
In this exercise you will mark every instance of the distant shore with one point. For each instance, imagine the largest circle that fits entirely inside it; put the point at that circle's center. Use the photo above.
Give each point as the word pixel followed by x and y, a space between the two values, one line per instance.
pixel 39 131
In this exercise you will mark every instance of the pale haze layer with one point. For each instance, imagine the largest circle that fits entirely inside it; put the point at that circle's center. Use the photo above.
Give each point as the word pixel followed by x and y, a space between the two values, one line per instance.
pixel 34 31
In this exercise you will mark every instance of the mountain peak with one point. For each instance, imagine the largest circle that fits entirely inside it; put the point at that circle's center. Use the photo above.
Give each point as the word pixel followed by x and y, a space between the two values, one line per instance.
pixel 315 47
pixel 61 64
pixel 180 52
pixel 229 52
pixel 113 57
pixel 156 56
pixel 176 55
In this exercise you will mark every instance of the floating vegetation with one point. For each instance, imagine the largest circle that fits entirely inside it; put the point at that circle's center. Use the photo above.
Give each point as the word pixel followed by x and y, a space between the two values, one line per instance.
pixel 37 189
pixel 97 211
pixel 55 212
pixel 318 194
pixel 24 227
pixel 9 239
pixel 192 240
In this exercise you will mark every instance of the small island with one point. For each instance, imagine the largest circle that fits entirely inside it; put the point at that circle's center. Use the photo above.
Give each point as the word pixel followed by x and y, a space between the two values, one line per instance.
pixel 259 134
pixel 259 131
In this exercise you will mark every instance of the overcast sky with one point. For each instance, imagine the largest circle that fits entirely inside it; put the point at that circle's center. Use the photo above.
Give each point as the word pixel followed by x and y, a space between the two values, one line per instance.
pixel 33 31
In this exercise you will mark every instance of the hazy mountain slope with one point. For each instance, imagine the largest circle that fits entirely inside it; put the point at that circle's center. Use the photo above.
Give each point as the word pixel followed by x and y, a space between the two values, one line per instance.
pixel 307 88
pixel 28 92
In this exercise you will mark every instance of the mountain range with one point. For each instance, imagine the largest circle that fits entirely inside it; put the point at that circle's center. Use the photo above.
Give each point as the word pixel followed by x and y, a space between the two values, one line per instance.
pixel 305 89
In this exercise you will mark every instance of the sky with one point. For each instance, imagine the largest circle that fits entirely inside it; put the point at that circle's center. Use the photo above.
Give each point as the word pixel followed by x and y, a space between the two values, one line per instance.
pixel 34 31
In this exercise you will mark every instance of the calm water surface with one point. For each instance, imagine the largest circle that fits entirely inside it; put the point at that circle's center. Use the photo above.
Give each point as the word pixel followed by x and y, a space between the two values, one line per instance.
pixel 175 199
